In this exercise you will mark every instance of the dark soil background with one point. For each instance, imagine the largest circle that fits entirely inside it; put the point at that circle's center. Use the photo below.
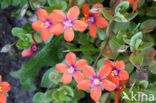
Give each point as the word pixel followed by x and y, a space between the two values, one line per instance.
pixel 7 65
pixel 11 64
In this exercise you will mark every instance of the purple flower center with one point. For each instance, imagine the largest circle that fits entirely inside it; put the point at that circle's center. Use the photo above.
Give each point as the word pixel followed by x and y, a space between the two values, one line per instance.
pixel 47 24
pixel 91 19
pixel 120 87
pixel 68 24
pixel 115 72
pixel 33 47
pixel 96 81
pixel 71 69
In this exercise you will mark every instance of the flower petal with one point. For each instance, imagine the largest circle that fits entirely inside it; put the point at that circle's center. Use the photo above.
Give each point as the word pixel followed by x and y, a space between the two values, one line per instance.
pixel 85 9
pixel 135 5
pixel 101 22
pixel 120 65
pixel 37 25
pixel 80 25
pixel 88 71
pixel 115 80
pixel 92 30
pixel 0 78
pixel 80 64
pixel 57 29
pixel 104 71
pixel 69 35
pixel 57 16
pixel 5 86
pixel 110 63
pixel 61 68
pixel 78 76
pixel 84 84
pixel 3 98
pixel 123 75
pixel 108 85
pixel 73 13
pixel 45 34
pixel 96 93
pixel 70 58
pixel 116 96
pixel 97 5
pixel 27 53
pixel 42 14
pixel 67 78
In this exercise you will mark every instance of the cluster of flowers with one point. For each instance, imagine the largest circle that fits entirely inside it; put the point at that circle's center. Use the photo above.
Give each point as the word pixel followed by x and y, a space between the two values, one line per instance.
pixel 58 22
pixel 111 76
pixel 4 88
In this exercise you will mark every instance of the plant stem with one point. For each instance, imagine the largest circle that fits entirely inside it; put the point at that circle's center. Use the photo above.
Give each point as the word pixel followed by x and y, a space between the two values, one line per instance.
pixel 105 45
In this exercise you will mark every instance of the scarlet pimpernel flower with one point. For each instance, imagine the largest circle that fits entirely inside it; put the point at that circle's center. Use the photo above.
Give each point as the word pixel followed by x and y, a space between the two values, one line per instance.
pixel 72 69
pixel 135 3
pixel 93 19
pixel 45 24
pixel 68 22
pixel 31 50
pixel 4 88
pixel 118 73
pixel 96 81
pixel 119 89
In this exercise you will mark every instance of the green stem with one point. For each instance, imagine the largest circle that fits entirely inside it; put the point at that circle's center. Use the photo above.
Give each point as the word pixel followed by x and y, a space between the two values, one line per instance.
pixel 107 41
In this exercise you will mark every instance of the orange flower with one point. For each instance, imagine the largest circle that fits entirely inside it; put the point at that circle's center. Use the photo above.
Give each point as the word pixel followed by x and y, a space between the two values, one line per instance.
pixel 96 81
pixel 45 24
pixel 118 90
pixel 134 3
pixel 72 69
pixel 93 19
pixel 117 72
pixel 4 87
pixel 68 23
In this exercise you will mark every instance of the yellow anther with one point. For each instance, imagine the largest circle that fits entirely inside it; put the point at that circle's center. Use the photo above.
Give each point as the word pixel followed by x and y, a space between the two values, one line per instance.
pixel 64 23
pixel 42 24
pixel 69 20
pixel 64 27
pixel 70 27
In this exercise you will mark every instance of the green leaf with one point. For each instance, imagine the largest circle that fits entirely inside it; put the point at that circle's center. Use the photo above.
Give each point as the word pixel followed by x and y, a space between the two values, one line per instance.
pixel 121 12
pixel 54 77
pixel 143 83
pixel 61 6
pixel 78 94
pixel 101 34
pixel 47 56
pixel 152 68
pixel 108 14
pixel 83 50
pixel 55 95
pixel 5 3
pixel 100 63
pixel 46 82
pixel 18 32
pixel 104 97
pixel 40 97
pixel 25 41
pixel 53 2
pixel 135 41
pixel 136 59
pixel 15 2
pixel 148 25
pixel 66 90
pixel 28 28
